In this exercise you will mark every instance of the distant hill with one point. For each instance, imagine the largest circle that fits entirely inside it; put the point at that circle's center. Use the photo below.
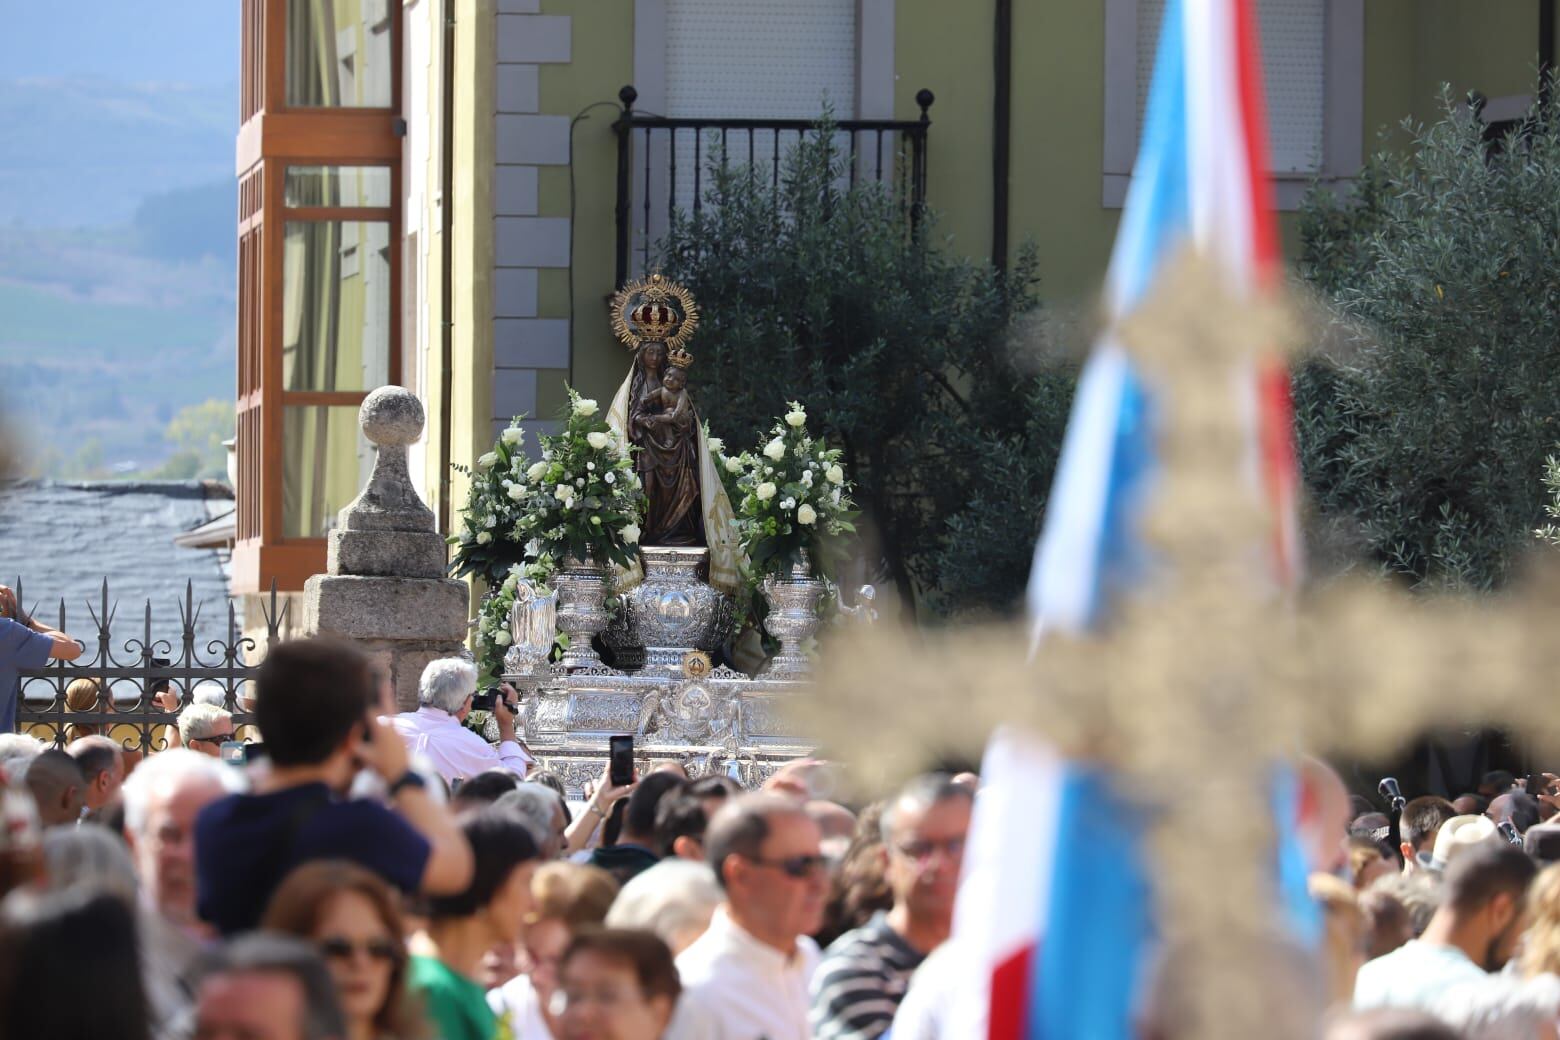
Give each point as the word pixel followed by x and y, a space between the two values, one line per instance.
pixel 86 152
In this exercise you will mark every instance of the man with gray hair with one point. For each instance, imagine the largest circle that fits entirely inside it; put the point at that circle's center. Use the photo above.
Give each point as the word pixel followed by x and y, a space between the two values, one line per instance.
pixel 162 797
pixel 205 728
pixel 544 815
pixel 435 732
pixel 746 978
pixel 272 986
pixel 866 972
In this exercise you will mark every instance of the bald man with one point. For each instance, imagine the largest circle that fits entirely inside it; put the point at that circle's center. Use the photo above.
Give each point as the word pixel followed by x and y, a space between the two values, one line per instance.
pixel 57 785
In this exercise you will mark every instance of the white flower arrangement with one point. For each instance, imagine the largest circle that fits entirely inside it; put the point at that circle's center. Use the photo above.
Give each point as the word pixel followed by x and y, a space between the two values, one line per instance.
pixel 580 499
pixel 782 507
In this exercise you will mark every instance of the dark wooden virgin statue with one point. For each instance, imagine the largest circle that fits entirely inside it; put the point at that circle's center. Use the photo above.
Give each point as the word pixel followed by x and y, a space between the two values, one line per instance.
pixel 662 423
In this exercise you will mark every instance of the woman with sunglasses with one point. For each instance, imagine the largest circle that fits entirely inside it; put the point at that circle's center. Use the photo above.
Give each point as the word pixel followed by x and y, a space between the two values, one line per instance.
pixel 352 917
pixel 616 984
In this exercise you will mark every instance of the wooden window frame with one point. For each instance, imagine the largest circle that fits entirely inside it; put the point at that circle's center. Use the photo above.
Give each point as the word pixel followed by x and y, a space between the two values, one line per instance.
pixel 272 137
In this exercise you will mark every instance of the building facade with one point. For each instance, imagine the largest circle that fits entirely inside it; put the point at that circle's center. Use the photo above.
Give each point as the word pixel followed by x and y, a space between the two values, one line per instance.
pixel 430 191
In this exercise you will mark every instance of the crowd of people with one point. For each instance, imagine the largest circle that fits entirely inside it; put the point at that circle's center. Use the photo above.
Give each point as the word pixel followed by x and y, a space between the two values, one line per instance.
pixel 391 876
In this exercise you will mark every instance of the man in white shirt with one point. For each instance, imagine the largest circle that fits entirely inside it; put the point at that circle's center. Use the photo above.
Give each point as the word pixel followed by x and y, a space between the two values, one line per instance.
pixel 434 730
pixel 1446 971
pixel 747 977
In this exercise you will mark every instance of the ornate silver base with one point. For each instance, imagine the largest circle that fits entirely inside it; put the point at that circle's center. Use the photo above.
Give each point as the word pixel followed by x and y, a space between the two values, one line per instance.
pixel 582 609
pixel 793 618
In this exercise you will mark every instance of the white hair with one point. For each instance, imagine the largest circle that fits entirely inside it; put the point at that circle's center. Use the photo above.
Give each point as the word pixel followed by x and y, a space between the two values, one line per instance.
pixel 535 804
pixel 91 856
pixel 209 691
pixel 198 721
pixel 17 749
pixel 446 683
pixel 670 899
pixel 167 771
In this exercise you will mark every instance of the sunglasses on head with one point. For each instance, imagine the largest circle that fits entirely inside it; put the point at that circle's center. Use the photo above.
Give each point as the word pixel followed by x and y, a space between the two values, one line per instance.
pixel 338 948
pixel 796 866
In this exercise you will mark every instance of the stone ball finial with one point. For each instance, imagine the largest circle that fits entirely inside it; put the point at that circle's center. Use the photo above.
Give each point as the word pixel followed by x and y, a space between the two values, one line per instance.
pixel 391 415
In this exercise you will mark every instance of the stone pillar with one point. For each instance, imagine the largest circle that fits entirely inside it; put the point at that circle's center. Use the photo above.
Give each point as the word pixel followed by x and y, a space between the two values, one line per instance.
pixel 385 586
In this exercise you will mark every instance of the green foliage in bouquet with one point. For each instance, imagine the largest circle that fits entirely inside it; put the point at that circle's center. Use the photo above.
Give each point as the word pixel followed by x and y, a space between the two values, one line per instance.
pixel 581 498
pixel 1431 431
pixel 492 625
pixel 903 351
pixel 791 496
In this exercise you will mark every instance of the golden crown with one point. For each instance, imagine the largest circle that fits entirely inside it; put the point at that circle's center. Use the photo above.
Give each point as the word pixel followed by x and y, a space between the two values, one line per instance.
pixel 655 310
pixel 679 358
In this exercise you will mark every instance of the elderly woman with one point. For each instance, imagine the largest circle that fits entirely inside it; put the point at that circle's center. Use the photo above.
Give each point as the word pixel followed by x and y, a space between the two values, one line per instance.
pixel 616 985
pixel 566 897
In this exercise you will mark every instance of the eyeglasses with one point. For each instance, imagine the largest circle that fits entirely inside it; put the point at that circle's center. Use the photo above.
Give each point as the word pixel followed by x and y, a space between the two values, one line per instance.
pixel 799 867
pixel 340 948
pixel 215 738
pixel 921 851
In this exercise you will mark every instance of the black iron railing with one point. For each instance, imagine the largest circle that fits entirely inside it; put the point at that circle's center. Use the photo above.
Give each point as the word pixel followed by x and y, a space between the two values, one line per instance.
pixel 132 677
pixel 661 163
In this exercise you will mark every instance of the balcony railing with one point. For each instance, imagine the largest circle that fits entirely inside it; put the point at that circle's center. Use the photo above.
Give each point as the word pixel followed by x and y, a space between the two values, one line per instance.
pixel 661 164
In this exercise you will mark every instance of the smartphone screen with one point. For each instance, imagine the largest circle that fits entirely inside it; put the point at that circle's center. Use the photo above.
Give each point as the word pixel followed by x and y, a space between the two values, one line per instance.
pixel 620 760
pixel 234 752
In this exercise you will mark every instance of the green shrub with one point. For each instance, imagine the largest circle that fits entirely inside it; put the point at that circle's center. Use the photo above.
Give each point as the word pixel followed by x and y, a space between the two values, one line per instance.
pixel 900 351
pixel 1443 269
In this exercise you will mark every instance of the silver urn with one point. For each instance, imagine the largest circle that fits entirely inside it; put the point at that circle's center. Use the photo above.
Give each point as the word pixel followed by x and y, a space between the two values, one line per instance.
pixel 674 610
pixel 533 627
pixel 582 609
pixel 793 617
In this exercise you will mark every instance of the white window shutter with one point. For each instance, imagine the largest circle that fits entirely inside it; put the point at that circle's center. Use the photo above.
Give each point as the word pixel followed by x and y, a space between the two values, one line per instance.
pixel 1294 33
pixel 775 59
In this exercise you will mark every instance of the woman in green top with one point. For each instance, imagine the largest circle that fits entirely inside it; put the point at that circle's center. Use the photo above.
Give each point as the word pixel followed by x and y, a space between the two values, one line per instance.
pixel 463 927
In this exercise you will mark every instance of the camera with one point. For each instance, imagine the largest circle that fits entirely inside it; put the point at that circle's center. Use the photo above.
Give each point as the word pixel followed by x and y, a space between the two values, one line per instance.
pixel 1389 789
pixel 487 699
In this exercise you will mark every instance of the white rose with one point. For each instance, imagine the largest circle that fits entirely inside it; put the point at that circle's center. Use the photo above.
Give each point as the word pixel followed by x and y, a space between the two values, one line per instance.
pixel 514 435
pixel 765 491
pixel 796 419
pixel 579 482
pixel 775 449
pixel 585 407
pixel 564 493
pixel 716 446
pixel 788 503
pixel 806 514
pixel 597 440
pixel 536 471
pixel 631 534
pixel 591 466
pixel 835 475
pixel 487 460
pixel 483 537
pixel 517 492
pixel 610 479
pixel 807 478
pixel 502 637
pixel 733 465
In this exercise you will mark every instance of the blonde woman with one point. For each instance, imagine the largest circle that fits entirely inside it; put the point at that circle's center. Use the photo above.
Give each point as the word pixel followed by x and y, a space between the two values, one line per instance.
pixel 1541 945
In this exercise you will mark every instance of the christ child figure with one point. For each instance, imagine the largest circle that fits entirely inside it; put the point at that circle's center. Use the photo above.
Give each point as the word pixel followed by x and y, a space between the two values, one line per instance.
pixel 676 407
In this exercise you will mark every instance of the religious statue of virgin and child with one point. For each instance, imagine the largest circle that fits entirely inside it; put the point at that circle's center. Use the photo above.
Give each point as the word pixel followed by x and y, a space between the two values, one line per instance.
pixel 687 506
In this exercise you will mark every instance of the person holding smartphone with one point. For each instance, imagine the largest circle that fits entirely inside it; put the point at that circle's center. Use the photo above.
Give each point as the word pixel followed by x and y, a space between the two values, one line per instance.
pixel 315 704
pixel 446 694
pixel 25 643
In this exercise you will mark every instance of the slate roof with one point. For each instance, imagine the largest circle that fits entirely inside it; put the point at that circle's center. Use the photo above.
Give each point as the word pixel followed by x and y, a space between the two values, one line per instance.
pixel 63 539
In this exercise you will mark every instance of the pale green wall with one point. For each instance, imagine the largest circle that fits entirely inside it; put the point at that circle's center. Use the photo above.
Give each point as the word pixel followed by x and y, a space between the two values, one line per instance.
pixel 1057 132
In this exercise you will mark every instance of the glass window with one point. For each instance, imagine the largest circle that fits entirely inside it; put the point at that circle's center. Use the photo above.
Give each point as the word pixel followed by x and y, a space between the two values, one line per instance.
pixel 336 296
pixel 338 53
pixel 366 186
pixel 326 461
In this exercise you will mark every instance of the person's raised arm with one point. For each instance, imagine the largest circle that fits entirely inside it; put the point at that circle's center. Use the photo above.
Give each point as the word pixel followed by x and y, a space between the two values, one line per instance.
pixel 62 648
pixel 597 808
pixel 449 855
pixel 513 755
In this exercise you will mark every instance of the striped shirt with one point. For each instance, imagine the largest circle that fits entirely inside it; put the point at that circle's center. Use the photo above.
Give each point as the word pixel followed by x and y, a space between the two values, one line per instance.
pixel 861 981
